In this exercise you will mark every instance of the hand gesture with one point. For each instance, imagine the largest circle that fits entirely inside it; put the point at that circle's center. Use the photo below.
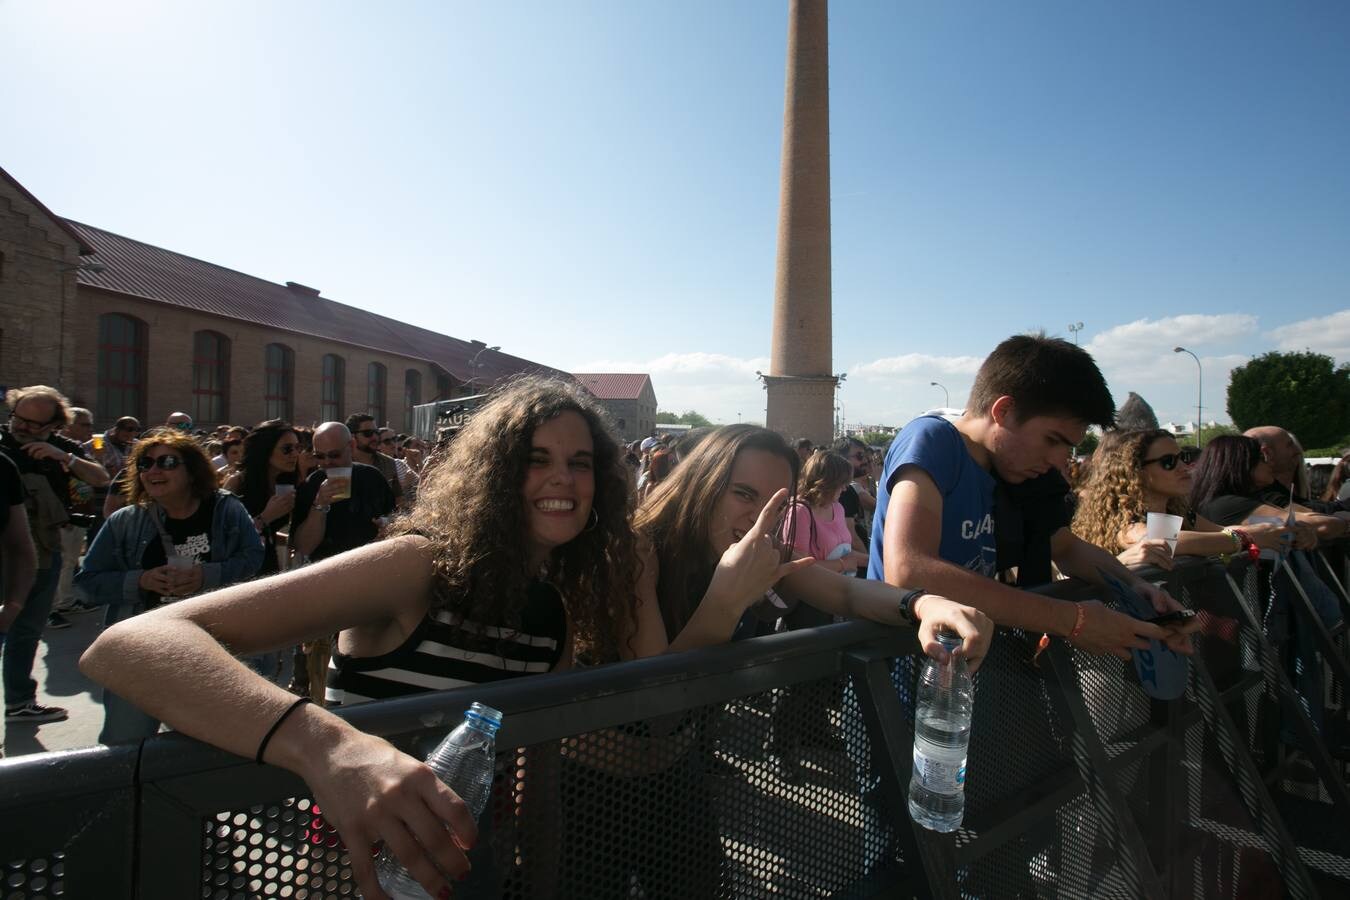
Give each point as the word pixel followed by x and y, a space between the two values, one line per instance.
pixel 1148 552
pixel 975 628
pixel 279 505
pixel 159 580
pixel 44 450
pixel 372 793
pixel 754 564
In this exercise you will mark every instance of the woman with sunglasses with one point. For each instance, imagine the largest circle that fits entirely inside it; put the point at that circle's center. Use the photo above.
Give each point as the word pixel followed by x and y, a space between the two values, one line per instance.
pixel 1232 485
pixel 1140 472
pixel 178 535
pixel 271 456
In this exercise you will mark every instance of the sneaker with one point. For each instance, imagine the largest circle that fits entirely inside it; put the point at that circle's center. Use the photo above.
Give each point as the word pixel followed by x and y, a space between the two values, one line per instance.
pixel 32 711
pixel 56 620
pixel 79 608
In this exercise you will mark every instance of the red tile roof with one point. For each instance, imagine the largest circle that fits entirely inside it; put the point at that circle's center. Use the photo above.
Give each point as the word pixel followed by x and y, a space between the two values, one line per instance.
pixel 614 386
pixel 153 273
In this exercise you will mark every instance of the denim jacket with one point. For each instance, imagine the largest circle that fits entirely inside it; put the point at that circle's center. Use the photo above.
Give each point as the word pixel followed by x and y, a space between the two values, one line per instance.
pixel 111 573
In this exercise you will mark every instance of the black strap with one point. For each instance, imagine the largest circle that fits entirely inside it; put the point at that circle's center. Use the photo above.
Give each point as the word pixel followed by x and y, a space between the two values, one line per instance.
pixel 262 748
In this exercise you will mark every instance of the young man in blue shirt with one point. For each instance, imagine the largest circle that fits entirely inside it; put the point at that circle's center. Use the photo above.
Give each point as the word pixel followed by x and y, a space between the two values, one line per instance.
pixel 936 525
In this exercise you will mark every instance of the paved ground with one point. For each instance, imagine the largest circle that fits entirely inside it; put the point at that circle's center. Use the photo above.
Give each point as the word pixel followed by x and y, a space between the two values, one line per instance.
pixel 61 684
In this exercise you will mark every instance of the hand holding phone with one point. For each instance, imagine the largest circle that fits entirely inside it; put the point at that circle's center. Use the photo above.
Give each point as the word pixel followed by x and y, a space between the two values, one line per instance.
pixel 1175 617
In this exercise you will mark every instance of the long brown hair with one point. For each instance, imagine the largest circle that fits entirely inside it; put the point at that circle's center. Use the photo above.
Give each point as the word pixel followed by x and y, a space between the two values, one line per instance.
pixel 675 520
pixel 823 476
pixel 469 505
pixel 202 481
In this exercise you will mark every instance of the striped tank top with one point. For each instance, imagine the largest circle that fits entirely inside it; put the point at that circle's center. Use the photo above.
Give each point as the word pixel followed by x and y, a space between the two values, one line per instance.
pixel 441 654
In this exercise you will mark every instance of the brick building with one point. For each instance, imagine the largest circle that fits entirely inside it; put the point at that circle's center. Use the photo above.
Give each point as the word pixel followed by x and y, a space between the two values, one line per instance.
pixel 629 399
pixel 126 328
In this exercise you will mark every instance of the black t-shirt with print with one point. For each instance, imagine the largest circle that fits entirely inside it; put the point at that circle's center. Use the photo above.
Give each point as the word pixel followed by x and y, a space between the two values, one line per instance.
pixel 1026 517
pixel 191 537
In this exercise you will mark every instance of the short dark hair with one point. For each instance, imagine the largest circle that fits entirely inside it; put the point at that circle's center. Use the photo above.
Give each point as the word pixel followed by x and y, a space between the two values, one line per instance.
pixel 1045 376
pixel 355 419
pixel 804 443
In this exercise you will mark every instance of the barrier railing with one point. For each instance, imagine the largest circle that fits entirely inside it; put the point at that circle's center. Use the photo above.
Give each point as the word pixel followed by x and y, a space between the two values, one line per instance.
pixel 777 766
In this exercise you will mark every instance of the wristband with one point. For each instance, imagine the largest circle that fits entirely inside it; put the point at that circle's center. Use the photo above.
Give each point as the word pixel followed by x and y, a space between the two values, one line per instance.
pixel 1079 623
pixel 907 601
pixel 322 507
pixel 262 747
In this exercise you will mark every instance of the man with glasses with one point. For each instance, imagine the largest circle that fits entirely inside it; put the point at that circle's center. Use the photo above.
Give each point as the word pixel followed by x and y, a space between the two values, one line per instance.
pixel 407 478
pixel 1285 455
pixel 82 507
pixel 366 450
pixel 46 461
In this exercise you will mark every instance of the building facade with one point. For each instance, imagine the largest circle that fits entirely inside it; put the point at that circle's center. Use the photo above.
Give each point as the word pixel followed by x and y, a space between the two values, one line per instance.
pixel 629 398
pixel 127 328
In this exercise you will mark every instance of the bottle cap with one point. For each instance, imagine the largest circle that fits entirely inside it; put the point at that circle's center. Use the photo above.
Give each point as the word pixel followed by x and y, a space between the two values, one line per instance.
pixel 948 638
pixel 484 716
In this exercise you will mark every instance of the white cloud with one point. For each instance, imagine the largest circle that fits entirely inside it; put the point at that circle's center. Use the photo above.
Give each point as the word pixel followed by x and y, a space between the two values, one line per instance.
pixel 918 365
pixel 1327 334
pixel 1134 343
pixel 691 366
pixel 722 387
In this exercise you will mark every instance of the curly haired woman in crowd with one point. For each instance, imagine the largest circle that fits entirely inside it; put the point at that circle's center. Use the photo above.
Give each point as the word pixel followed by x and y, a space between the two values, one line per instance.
pixel 1142 472
pixel 522 528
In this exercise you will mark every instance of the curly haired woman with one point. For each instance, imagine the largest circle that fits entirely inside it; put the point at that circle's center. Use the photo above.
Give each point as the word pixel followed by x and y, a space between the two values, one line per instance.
pixel 521 530
pixel 1142 472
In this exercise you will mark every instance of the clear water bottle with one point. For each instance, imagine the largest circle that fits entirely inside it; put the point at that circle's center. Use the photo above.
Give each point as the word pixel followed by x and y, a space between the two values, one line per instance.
pixel 464 761
pixel 937 798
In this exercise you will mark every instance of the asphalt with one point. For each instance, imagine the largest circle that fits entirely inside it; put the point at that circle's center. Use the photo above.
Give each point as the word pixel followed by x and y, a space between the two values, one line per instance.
pixel 61 684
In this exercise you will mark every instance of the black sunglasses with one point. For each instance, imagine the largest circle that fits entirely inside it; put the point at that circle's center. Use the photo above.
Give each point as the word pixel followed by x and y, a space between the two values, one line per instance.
pixel 330 455
pixel 1168 461
pixel 367 432
pixel 167 462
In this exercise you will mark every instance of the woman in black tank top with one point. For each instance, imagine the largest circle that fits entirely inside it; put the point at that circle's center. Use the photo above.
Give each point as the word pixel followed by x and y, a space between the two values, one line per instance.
pixel 518 549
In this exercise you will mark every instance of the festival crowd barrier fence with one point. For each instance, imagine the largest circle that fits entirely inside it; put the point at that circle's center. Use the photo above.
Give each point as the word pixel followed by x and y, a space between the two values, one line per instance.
pixel 780 767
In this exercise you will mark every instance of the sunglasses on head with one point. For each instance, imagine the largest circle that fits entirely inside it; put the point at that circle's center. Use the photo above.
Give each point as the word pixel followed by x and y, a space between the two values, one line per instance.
pixel 1168 461
pixel 167 462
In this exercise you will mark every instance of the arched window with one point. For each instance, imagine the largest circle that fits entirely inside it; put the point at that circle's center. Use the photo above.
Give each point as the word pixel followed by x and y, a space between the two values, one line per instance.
pixel 121 366
pixel 412 395
pixel 334 384
pixel 375 392
pixel 210 378
pixel 279 366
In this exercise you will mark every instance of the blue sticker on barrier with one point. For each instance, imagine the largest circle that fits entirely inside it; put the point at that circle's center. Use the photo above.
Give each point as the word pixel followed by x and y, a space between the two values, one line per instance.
pixel 1162 671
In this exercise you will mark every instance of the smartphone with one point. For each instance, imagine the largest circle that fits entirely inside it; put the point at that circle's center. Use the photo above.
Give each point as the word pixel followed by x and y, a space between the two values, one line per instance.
pixel 1176 617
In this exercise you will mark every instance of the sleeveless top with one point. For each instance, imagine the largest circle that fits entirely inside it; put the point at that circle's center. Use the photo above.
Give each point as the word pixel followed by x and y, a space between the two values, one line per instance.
pixel 441 653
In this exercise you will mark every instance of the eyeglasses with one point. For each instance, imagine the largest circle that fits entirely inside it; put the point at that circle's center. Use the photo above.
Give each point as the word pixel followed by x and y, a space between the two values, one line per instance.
pixel 1168 461
pixel 29 423
pixel 167 462
pixel 366 432
pixel 330 456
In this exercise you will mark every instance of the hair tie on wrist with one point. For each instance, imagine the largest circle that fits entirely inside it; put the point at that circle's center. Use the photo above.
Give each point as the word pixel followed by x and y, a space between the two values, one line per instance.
pixel 262 747
pixel 1079 623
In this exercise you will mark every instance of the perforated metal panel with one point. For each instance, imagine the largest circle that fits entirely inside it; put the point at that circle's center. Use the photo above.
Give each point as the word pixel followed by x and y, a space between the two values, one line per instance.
pixel 35 879
pixel 284 850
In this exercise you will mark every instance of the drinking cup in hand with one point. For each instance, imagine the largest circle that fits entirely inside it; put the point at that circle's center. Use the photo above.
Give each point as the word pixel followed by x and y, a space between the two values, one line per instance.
pixel 1165 527
pixel 341 476
pixel 284 489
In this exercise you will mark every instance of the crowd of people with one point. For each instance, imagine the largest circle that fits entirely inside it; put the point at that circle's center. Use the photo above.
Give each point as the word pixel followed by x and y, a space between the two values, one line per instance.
pixel 534 542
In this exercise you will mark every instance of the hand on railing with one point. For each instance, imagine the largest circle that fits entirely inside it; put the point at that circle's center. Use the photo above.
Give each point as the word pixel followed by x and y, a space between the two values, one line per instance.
pixel 1107 631
pixel 975 628
pixel 373 793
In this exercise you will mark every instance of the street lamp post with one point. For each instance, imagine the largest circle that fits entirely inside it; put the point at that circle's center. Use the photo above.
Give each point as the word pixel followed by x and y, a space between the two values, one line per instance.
pixel 1199 394
pixel 1074 328
pixel 946 397
pixel 473 363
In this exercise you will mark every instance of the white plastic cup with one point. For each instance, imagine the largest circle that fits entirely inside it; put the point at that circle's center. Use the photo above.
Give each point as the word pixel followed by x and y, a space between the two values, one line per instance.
pixel 181 563
pixel 342 478
pixel 1165 527
pixel 284 489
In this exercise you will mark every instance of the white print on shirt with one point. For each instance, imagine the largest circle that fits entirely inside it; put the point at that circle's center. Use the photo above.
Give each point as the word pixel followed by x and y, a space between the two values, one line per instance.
pixel 985 562
pixel 197 547
pixel 970 531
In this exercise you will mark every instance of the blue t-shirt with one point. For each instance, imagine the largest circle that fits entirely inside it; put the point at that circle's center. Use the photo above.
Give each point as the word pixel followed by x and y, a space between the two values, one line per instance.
pixel 935 446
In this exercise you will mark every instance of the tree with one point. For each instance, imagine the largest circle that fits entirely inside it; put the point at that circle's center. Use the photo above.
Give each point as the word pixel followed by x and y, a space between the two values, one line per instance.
pixel 878 438
pixel 1303 392
pixel 1136 415
pixel 689 417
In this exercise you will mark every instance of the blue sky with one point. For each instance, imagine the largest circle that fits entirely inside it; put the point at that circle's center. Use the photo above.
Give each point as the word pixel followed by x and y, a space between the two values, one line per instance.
pixel 595 185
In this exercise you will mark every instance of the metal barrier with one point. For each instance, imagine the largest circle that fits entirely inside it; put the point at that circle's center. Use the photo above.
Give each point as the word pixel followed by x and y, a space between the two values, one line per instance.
pixel 778 766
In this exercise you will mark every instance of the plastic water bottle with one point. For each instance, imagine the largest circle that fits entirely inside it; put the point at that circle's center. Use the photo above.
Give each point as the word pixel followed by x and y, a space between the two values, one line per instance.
pixel 464 761
pixel 937 798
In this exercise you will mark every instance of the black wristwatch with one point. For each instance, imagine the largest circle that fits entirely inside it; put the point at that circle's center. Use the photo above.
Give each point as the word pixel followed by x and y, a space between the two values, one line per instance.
pixel 907 601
